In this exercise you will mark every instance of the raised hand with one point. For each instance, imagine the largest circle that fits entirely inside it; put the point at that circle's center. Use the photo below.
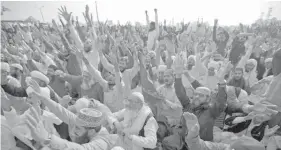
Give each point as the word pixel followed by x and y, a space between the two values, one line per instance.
pixel 35 124
pixel 88 18
pixel 63 12
pixel 269 132
pixel 179 63
pixel 6 103
pixel 190 119
pixel 193 132
pixel 34 85
pixel 55 25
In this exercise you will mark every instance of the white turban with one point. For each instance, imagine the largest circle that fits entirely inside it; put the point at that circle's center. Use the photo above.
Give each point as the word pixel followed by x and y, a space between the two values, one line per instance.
pixel 5 66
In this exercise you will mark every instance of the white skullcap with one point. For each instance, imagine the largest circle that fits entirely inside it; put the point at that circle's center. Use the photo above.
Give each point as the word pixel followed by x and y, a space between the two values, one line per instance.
pixel 204 90
pixel 18 66
pixel 81 103
pixel 268 60
pixel 139 96
pixel 5 66
pixel 213 64
pixel 40 76
pixel 191 57
pixel 162 68
pixel 117 148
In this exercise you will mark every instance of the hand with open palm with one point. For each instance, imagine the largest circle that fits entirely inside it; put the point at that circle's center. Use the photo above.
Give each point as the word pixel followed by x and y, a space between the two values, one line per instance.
pixel 63 12
pixel 179 63
pixel 191 119
pixel 270 131
pixel 35 124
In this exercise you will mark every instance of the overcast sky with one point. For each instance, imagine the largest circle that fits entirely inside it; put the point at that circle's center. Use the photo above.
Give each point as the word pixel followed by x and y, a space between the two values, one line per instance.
pixel 228 12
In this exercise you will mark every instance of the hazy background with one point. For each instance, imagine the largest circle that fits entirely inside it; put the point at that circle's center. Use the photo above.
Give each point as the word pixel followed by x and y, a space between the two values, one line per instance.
pixel 229 12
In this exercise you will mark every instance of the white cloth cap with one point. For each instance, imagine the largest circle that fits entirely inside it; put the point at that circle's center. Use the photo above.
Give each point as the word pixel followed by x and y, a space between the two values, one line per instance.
pixel 268 60
pixel 81 103
pixel 5 66
pixel 117 148
pixel 18 66
pixel 39 75
pixel 162 68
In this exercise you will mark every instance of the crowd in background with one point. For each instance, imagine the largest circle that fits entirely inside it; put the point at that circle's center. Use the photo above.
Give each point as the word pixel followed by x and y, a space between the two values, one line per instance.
pixel 100 86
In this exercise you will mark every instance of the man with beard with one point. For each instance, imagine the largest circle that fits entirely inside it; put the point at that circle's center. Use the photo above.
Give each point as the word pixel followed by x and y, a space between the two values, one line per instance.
pixel 238 80
pixel 90 53
pixel 86 126
pixel 160 76
pixel 10 88
pixel 138 128
pixel 268 68
pixel 206 106
pixel 16 72
pixel 56 83
pixel 168 91
pixel 84 85
pixel 210 80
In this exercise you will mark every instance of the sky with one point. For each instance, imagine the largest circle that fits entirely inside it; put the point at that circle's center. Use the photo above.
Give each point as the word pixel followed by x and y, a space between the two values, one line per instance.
pixel 229 12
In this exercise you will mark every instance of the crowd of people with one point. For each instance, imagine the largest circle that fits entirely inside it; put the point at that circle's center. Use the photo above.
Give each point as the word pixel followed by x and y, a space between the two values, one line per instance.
pixel 69 86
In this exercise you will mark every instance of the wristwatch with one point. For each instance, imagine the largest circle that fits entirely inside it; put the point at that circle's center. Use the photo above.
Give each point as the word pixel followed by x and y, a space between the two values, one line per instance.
pixel 47 142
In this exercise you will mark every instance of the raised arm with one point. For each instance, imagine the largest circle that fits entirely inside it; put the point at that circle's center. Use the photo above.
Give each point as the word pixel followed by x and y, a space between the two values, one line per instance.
pixel 243 60
pixel 181 93
pixel 62 113
pixel 215 30
pixel 156 22
pixel 73 32
pixel 147 21
pixel 96 74
pixel 108 66
pixel 218 101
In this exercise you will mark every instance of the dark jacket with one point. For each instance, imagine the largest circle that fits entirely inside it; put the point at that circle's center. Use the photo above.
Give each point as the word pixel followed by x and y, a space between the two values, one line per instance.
pixel 21 92
pixel 206 114
pixel 238 50
pixel 221 45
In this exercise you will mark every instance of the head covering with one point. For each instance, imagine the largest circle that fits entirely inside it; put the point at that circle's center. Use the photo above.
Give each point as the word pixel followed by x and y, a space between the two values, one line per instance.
pixel 81 103
pixel 268 60
pixel 18 66
pixel 169 71
pixel 204 90
pixel 5 66
pixel 138 96
pixel 246 143
pixel 213 64
pixel 152 54
pixel 162 68
pixel 117 148
pixel 252 61
pixel 191 57
pixel 89 117
pixel 40 76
